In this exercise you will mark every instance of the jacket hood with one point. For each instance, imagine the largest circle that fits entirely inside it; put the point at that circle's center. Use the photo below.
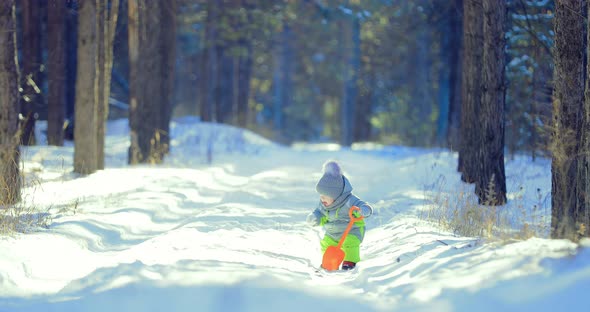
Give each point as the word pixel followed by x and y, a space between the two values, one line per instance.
pixel 347 190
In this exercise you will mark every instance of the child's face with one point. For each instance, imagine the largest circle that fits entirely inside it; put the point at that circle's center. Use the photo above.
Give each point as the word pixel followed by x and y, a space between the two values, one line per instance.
pixel 326 200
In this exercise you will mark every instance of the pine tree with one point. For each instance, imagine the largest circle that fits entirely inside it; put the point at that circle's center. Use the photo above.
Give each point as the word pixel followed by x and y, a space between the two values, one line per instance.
pixel 10 182
pixel 490 153
pixel 471 88
pixel 567 116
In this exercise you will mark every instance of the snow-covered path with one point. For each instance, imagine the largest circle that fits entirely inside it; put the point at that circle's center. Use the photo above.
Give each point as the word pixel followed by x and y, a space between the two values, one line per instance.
pixel 230 236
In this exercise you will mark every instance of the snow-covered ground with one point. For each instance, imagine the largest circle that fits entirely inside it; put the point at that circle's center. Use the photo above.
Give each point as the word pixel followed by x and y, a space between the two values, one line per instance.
pixel 220 227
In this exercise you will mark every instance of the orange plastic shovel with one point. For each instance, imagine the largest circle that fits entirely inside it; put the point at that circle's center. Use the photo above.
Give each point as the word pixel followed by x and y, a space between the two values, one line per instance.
pixel 334 254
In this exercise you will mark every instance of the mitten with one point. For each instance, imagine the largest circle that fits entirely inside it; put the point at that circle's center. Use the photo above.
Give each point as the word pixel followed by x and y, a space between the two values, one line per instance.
pixel 313 219
pixel 366 210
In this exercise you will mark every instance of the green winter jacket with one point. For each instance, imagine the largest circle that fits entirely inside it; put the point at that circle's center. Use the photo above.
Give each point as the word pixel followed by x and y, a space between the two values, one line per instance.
pixel 334 218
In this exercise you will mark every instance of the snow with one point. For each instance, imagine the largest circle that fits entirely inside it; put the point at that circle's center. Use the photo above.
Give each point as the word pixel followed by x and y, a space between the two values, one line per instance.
pixel 220 227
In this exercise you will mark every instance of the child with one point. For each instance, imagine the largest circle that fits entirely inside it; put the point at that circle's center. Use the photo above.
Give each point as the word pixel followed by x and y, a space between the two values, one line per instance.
pixel 336 198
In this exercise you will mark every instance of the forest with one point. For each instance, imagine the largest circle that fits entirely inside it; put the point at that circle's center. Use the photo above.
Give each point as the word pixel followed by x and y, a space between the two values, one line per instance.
pixel 487 79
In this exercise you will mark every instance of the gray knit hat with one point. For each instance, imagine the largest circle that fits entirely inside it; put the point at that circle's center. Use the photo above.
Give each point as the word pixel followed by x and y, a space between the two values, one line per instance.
pixel 331 183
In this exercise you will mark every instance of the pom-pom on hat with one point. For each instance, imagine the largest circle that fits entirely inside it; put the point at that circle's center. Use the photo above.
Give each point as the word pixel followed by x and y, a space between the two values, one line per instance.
pixel 331 183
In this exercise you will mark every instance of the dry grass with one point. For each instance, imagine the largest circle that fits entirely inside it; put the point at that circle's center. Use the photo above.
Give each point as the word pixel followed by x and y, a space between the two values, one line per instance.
pixel 18 211
pixel 158 149
pixel 21 217
pixel 458 211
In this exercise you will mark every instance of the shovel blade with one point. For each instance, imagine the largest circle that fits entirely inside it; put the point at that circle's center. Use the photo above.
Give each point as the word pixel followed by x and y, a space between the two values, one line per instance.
pixel 332 258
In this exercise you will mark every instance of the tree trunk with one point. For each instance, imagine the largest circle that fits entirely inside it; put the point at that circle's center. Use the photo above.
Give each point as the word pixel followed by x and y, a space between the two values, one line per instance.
pixel 111 23
pixel 567 115
pixel 362 129
pixel 582 212
pixel 168 59
pixel 85 151
pixel 223 90
pixel 71 66
pixel 421 97
pixel 282 75
pixel 202 82
pixel 444 81
pixel 243 61
pixel 106 26
pixel 10 182
pixel 244 76
pixel 491 179
pixel 471 87
pixel 536 84
pixel 454 55
pixel 93 85
pixel 151 61
pixel 135 149
pixel 144 82
pixel 100 82
pixel 352 43
pixel 277 81
pixel 32 99
pixel 208 64
pixel 56 66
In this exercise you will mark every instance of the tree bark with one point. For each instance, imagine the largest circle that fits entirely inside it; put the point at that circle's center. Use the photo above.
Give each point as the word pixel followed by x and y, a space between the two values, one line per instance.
pixel 244 76
pixel 491 179
pixel 143 114
pixel 135 149
pixel 101 80
pixel 151 53
pixel 208 64
pixel 106 26
pixel 567 116
pixel 421 96
pixel 444 83
pixel 223 90
pixel 352 44
pixel 455 76
pixel 71 66
pixel 85 138
pixel 202 81
pixel 168 59
pixel 282 75
pixel 471 87
pixel 97 22
pixel 582 210
pixel 10 182
pixel 243 62
pixel 362 129
pixel 32 98
pixel 56 66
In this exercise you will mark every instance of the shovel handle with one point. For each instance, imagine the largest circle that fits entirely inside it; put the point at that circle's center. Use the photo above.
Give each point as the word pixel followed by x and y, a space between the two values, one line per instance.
pixel 353 219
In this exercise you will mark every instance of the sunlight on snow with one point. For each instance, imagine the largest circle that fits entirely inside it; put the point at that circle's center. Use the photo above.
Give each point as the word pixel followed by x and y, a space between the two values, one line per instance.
pixel 236 227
